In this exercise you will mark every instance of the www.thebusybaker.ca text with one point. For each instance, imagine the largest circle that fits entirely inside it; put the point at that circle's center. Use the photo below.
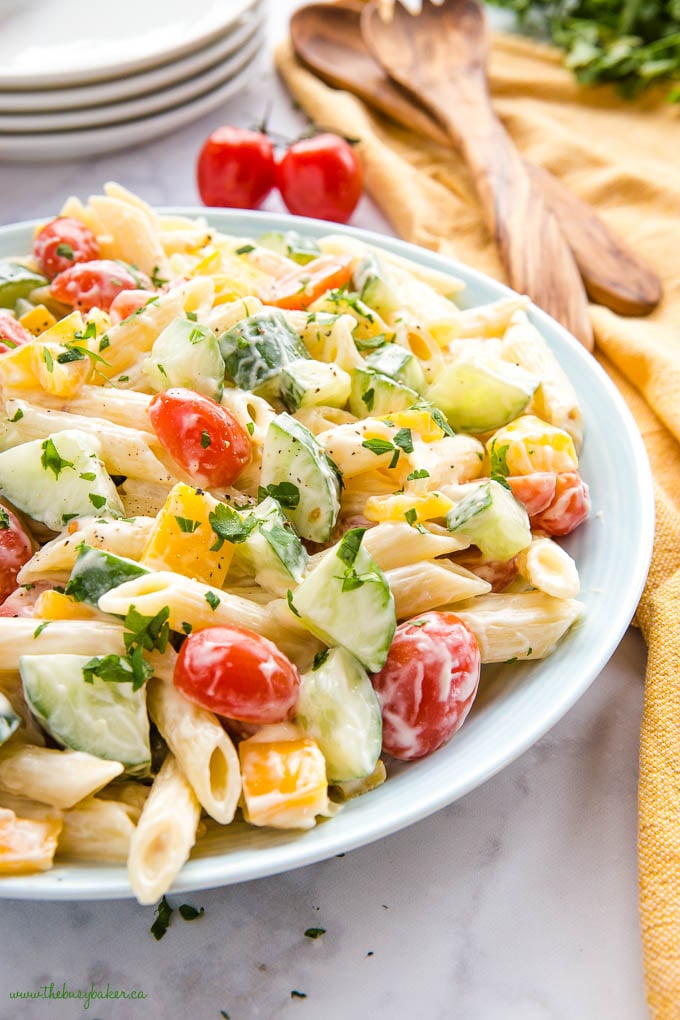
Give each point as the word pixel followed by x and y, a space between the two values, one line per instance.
pixel 86 996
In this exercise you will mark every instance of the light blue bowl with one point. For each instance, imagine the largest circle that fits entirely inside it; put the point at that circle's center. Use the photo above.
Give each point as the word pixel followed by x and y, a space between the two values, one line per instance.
pixel 517 703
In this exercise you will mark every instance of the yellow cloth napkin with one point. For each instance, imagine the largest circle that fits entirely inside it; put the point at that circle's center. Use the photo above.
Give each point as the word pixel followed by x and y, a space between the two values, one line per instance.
pixel 622 157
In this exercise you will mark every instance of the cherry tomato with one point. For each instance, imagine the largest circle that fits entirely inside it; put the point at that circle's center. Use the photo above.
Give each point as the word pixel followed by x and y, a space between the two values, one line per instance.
pixel 96 284
pixel 534 491
pixel 127 302
pixel 22 600
pixel 236 168
pixel 12 333
pixel 568 508
pixel 499 573
pixel 427 685
pixel 62 243
pixel 239 674
pixel 300 287
pixel 16 548
pixel 321 177
pixel 200 435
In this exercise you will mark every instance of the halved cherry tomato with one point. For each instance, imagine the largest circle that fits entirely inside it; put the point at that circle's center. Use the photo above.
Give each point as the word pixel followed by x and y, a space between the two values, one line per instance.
pixel 237 673
pixel 62 243
pixel 534 491
pixel 568 508
pixel 12 333
pixel 499 573
pixel 300 287
pixel 427 686
pixel 96 284
pixel 16 548
pixel 22 601
pixel 199 434
pixel 321 177
pixel 235 168
pixel 127 302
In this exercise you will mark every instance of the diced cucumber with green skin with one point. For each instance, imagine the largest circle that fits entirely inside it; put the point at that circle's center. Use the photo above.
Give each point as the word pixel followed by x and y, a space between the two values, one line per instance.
pixel 272 551
pixel 10 721
pixel 292 454
pixel 347 601
pixel 338 707
pixel 399 364
pixel 492 519
pixel 16 281
pixel 186 354
pixel 308 383
pixel 479 395
pixel 376 394
pixel 294 246
pixel 371 279
pixel 256 350
pixel 107 720
pixel 58 478
pixel 97 571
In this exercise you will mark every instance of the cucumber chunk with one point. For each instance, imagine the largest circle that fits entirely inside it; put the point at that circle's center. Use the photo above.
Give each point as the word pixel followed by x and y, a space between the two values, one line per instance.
pixel 186 354
pixel 307 383
pixel 56 479
pixel 105 719
pixel 272 551
pixel 338 708
pixel 347 601
pixel 376 394
pixel 97 571
pixel 16 281
pixel 292 456
pixel 298 247
pixel 10 721
pixel 372 280
pixel 482 394
pixel 398 364
pixel 258 348
pixel 492 519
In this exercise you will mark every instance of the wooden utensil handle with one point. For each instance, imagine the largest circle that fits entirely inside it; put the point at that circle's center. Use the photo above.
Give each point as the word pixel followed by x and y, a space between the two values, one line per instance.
pixel 533 250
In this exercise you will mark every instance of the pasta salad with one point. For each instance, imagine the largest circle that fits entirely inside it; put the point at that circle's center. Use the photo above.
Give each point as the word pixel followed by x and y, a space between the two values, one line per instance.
pixel 267 506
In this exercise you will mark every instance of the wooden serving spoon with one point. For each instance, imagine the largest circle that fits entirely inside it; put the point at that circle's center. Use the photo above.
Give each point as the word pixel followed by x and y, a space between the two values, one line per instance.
pixel 327 39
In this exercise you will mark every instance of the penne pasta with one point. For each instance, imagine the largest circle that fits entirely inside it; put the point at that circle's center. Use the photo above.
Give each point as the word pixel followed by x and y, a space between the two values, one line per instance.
pixel 59 778
pixel 96 830
pixel 525 625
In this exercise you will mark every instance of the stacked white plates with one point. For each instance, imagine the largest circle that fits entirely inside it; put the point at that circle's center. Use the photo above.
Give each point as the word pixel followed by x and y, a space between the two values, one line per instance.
pixel 80 78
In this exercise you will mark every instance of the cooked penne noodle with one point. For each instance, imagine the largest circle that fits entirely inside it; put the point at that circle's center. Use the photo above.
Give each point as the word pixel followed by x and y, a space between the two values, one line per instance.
pixel 518 626
pixel 418 587
pixel 394 544
pixel 491 320
pixel 96 830
pixel 202 749
pixel 165 834
pixel 120 406
pixel 60 778
pixel 56 558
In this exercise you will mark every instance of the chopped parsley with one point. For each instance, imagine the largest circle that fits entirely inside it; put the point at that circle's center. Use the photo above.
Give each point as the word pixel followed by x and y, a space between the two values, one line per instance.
pixel 286 493
pixel 146 632
pixel 48 359
pixel 197 334
pixel 295 994
pixel 369 398
pixel 104 343
pixel 187 628
pixel 52 460
pixel 205 439
pixel 378 446
pixel 162 920
pixel 245 249
pixel 289 597
pixel 499 463
pixel 18 415
pixel 192 316
pixel 315 933
pixel 190 913
pixel 229 526
pixel 212 599
pixel 4 519
pixel 250 427
pixel 411 517
pixel 419 473
pixel 65 251
pixel 40 628
pixel 187 525
pixel 118 669
pixel 96 500
pixel 348 550
pixel 87 476
pixel 318 662
pixel 157 281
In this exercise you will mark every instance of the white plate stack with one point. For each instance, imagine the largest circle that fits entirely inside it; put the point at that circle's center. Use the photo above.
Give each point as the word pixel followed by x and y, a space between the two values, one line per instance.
pixel 81 78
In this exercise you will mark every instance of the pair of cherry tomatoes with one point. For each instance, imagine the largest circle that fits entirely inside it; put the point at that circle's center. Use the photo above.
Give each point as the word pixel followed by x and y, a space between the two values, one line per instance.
pixel 319 176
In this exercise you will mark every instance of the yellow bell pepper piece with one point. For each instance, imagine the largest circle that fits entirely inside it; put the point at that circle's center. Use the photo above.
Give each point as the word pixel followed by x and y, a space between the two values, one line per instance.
pixel 417 420
pixel 284 782
pixel 37 320
pixel 54 605
pixel 27 844
pixel 182 537
pixel 529 444
pixel 16 369
pixel 59 379
pixel 368 322
pixel 427 506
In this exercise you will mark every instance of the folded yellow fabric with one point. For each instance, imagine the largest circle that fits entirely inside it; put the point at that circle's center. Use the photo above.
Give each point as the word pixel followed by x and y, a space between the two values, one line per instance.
pixel 621 157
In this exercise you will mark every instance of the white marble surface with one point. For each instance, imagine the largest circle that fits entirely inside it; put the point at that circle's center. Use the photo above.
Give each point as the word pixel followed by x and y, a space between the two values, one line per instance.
pixel 519 902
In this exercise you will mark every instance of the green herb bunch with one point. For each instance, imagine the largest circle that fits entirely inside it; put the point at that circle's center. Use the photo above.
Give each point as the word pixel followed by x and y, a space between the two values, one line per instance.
pixel 631 43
